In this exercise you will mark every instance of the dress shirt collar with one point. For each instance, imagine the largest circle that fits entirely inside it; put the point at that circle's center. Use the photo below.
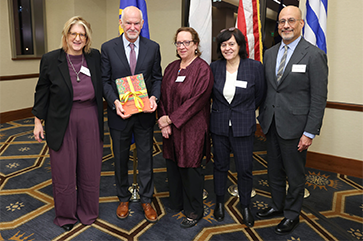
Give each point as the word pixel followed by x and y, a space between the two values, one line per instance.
pixel 126 42
pixel 292 45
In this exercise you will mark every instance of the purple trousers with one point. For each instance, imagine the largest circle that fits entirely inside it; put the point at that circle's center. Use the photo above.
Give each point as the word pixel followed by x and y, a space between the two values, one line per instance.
pixel 76 168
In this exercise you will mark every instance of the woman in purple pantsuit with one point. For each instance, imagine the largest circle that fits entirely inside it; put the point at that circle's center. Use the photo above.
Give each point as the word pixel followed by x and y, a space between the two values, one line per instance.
pixel 68 98
pixel 184 111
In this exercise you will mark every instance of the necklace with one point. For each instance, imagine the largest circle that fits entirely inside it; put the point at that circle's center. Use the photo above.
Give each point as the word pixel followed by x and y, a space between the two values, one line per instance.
pixel 186 65
pixel 78 79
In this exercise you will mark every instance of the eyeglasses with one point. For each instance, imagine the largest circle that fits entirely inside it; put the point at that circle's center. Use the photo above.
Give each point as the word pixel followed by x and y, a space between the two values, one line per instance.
pixel 290 21
pixel 228 29
pixel 81 35
pixel 185 43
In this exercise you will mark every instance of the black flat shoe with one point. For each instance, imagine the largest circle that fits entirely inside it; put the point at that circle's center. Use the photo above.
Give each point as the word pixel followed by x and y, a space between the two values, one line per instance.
pixel 219 212
pixel 268 213
pixel 286 226
pixel 248 217
pixel 188 223
pixel 67 227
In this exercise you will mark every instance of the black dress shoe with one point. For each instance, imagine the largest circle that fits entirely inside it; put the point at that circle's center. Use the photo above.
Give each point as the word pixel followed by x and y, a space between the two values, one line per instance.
pixel 248 217
pixel 219 212
pixel 188 223
pixel 67 227
pixel 286 226
pixel 268 212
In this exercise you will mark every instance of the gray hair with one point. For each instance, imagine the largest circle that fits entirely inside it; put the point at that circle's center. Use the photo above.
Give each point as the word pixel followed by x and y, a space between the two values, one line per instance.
pixel 127 9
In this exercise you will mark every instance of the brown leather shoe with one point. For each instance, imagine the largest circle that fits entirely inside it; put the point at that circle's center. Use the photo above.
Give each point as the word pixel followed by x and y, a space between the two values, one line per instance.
pixel 150 213
pixel 123 210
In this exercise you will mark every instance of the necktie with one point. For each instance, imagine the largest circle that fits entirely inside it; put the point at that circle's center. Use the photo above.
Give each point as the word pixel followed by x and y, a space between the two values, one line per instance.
pixel 280 72
pixel 132 59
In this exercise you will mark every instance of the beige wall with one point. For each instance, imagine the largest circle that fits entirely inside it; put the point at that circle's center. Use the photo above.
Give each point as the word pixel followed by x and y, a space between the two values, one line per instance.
pixel 103 16
pixel 342 130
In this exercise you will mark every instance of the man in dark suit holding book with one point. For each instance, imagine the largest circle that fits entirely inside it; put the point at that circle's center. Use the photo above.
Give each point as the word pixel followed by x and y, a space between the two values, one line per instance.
pixel 127 55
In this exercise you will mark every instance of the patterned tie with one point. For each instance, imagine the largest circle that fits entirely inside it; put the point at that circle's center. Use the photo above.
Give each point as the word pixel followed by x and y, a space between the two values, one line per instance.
pixel 132 59
pixel 280 72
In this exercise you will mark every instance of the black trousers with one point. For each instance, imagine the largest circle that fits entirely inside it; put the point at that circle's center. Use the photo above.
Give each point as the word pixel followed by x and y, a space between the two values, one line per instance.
pixel 121 141
pixel 186 189
pixel 242 148
pixel 285 163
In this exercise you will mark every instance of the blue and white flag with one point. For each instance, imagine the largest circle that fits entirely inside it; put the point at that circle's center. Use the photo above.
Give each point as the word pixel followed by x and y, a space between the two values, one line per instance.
pixel 140 4
pixel 315 22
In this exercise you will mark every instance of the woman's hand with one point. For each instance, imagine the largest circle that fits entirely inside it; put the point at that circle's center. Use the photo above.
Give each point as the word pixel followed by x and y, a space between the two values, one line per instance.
pixel 166 132
pixel 164 121
pixel 38 130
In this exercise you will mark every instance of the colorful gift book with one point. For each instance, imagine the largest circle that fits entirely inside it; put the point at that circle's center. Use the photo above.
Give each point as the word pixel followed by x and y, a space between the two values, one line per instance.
pixel 133 94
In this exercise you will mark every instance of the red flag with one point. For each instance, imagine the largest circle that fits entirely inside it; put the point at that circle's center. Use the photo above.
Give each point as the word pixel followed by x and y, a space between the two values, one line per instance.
pixel 249 23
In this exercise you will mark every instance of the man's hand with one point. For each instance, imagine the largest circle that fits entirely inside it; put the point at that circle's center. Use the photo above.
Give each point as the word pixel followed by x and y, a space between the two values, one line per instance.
pixel 120 111
pixel 304 143
pixel 153 105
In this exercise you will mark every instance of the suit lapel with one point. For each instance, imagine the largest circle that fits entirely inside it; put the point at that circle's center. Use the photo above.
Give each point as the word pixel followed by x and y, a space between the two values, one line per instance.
pixel 221 71
pixel 240 76
pixel 272 70
pixel 299 53
pixel 143 49
pixel 63 68
pixel 120 51
pixel 92 69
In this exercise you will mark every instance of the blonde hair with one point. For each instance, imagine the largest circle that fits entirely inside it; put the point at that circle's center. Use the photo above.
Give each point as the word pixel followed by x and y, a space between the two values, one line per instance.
pixel 67 27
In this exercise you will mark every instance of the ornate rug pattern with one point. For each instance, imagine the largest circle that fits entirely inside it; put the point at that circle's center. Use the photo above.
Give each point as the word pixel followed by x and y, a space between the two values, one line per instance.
pixel 333 211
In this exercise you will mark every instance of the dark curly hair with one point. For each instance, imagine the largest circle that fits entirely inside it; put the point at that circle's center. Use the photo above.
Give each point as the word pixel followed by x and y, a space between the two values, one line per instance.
pixel 225 35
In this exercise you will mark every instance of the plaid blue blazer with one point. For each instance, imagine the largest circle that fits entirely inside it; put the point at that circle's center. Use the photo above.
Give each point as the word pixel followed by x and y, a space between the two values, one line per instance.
pixel 246 100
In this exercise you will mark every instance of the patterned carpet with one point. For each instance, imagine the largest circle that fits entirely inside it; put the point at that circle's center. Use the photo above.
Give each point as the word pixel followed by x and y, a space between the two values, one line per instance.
pixel 333 211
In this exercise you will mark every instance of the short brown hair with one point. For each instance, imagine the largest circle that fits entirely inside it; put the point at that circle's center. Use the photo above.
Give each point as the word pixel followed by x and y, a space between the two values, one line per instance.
pixel 195 38
pixel 67 27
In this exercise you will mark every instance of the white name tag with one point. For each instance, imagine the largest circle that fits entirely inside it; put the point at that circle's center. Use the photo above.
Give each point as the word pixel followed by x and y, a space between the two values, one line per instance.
pixel 85 71
pixel 299 68
pixel 241 84
pixel 180 79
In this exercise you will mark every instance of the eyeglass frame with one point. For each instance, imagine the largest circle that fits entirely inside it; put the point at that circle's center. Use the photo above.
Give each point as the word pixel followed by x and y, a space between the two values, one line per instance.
pixel 290 21
pixel 82 36
pixel 185 43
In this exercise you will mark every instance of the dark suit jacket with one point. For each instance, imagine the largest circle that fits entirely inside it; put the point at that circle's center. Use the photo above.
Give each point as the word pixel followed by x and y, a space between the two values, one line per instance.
pixel 53 98
pixel 115 66
pixel 299 100
pixel 241 111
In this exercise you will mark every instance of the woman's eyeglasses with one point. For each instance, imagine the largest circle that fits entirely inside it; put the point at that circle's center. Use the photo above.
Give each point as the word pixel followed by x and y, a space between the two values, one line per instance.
pixel 185 43
pixel 81 35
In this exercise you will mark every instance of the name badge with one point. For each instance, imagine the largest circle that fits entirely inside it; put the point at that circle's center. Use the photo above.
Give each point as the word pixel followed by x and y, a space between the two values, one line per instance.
pixel 85 71
pixel 180 79
pixel 241 84
pixel 299 68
